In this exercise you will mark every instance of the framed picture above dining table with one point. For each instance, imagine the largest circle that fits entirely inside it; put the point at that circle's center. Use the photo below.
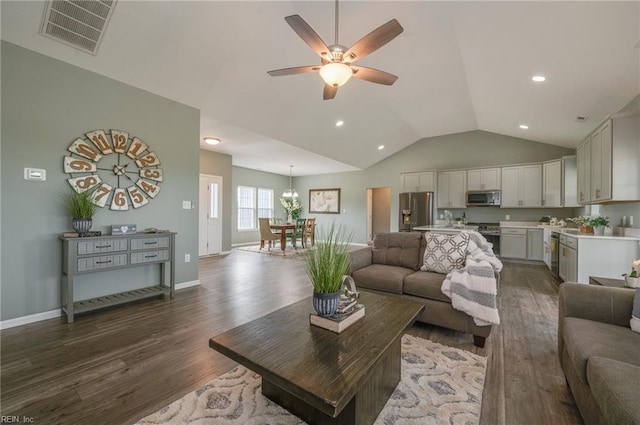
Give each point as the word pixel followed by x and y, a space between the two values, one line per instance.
pixel 324 201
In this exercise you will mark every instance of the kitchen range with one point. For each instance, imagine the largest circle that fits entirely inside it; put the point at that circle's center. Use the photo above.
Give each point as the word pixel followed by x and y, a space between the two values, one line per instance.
pixel 491 232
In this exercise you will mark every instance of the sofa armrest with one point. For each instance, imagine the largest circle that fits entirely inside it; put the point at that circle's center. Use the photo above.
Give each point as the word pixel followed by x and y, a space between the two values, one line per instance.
pixel 592 302
pixel 360 258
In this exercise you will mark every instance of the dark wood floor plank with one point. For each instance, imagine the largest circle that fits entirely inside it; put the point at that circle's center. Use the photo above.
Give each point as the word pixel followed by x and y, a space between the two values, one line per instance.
pixel 119 365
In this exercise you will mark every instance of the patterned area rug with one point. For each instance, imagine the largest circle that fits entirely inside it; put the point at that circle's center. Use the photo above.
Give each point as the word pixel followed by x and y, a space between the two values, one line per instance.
pixel 439 385
pixel 288 252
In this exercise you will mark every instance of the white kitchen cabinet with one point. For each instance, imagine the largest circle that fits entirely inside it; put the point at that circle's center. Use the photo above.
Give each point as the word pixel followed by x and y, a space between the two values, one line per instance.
pixel 583 154
pixel 452 189
pixel 484 179
pixel 522 186
pixel 569 182
pixel 535 244
pixel 423 181
pixel 568 259
pixel 552 184
pixel 609 161
pixel 584 256
pixel 513 243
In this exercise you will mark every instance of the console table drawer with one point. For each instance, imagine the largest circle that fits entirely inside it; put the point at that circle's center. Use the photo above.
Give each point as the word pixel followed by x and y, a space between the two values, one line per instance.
pixel 96 247
pixel 149 256
pixel 149 243
pixel 102 262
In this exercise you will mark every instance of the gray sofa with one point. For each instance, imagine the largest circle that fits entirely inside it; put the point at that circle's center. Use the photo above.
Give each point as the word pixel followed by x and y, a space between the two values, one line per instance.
pixel 391 267
pixel 599 353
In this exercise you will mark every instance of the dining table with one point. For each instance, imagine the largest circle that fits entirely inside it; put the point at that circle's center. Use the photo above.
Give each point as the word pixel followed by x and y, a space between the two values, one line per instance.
pixel 283 227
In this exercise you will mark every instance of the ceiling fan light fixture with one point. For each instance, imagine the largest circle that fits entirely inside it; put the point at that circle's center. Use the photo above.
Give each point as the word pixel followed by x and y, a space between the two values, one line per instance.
pixel 336 74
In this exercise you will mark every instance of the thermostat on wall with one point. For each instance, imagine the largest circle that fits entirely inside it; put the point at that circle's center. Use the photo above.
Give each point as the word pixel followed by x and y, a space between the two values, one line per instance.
pixel 35 174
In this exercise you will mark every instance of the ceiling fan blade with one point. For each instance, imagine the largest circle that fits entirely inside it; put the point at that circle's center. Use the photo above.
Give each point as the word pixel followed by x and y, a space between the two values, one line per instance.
pixel 373 75
pixel 308 35
pixel 329 92
pixel 293 71
pixel 373 41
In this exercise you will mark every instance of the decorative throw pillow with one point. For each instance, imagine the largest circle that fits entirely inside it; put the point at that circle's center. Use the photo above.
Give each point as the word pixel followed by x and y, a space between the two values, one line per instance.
pixel 635 315
pixel 445 252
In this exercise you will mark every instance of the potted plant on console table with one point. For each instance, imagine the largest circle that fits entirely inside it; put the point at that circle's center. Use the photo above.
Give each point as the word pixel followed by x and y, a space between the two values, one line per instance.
pixel 81 209
pixel 326 265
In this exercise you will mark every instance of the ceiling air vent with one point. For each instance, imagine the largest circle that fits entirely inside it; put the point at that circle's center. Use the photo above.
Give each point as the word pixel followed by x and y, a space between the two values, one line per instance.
pixel 78 23
pixel 581 118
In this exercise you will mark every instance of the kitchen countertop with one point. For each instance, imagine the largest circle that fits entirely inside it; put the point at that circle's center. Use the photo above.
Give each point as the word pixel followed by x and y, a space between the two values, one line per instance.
pixel 444 228
pixel 568 231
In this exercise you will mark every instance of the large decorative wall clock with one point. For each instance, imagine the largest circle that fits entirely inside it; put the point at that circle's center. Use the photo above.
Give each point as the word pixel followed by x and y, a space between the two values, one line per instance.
pixel 119 170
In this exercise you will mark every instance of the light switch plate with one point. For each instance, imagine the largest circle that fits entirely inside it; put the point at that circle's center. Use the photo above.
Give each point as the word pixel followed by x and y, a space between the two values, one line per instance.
pixel 186 205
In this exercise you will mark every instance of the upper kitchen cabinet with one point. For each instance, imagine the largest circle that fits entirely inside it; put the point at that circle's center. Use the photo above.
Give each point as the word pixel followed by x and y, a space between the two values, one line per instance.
pixel 484 179
pixel 583 155
pixel 559 183
pixel 552 184
pixel 609 161
pixel 522 186
pixel 452 186
pixel 423 181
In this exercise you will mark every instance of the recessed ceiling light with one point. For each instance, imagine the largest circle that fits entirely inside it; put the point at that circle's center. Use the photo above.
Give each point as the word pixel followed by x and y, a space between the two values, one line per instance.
pixel 380 147
pixel 524 126
pixel 538 78
pixel 211 140
pixel 339 123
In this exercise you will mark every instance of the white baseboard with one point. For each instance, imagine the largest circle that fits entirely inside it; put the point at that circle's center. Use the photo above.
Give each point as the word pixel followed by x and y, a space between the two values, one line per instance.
pixel 184 285
pixel 46 315
pixel 25 320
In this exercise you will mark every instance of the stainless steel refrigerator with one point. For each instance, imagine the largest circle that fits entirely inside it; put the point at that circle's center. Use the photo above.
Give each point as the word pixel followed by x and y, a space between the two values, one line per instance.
pixel 416 209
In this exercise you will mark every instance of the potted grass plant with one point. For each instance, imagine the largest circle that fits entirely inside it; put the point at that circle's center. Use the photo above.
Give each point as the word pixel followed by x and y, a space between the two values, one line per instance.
pixel 81 209
pixel 326 265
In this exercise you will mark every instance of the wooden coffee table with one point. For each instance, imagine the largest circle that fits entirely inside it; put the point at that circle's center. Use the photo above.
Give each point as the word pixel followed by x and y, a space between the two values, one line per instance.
pixel 320 376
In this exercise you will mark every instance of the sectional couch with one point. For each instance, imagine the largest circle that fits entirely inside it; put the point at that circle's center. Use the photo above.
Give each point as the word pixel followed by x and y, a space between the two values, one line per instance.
pixel 599 353
pixel 391 266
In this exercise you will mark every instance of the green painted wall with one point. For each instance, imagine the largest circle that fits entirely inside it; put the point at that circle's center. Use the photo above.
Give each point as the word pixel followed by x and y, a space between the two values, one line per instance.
pixel 462 150
pixel 46 104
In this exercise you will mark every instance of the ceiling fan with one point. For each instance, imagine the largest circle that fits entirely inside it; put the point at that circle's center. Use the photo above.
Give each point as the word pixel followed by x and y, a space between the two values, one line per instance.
pixel 337 60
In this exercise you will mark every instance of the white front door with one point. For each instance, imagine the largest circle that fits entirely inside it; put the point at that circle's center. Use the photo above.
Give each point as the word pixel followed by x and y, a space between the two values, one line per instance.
pixel 210 216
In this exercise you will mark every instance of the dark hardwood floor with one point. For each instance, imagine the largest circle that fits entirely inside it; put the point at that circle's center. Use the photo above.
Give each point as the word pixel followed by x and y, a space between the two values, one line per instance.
pixel 119 365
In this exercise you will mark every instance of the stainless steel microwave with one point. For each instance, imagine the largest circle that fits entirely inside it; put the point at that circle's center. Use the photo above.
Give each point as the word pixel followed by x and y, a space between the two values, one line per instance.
pixel 483 198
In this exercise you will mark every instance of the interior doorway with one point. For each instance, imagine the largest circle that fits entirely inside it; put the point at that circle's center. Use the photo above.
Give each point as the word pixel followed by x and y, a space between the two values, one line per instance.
pixel 378 211
pixel 210 215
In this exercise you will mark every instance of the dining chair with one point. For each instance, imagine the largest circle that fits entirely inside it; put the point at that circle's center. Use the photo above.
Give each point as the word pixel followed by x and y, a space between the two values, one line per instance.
pixel 276 220
pixel 309 232
pixel 298 232
pixel 266 234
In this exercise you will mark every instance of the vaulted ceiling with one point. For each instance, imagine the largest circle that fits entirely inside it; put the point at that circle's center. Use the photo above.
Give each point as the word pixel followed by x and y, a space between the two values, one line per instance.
pixel 461 66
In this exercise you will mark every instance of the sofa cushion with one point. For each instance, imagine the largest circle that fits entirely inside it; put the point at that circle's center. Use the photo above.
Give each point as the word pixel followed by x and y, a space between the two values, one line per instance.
pixel 445 252
pixel 381 277
pixel 400 249
pixel 584 339
pixel 425 285
pixel 614 386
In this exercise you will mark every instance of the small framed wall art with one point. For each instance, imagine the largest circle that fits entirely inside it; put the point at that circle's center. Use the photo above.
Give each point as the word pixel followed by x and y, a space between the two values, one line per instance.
pixel 324 201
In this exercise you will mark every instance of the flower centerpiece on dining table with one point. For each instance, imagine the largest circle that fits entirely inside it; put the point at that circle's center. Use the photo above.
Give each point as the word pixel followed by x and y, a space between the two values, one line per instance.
pixel 631 279
pixel 292 207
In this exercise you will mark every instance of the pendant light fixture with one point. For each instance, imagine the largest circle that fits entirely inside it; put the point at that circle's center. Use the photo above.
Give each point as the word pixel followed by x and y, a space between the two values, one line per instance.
pixel 290 192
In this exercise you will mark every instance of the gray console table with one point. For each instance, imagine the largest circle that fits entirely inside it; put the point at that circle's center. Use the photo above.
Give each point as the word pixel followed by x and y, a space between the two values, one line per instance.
pixel 94 254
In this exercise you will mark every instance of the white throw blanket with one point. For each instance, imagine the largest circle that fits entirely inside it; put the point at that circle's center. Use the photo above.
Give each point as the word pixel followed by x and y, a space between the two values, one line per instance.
pixel 474 288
